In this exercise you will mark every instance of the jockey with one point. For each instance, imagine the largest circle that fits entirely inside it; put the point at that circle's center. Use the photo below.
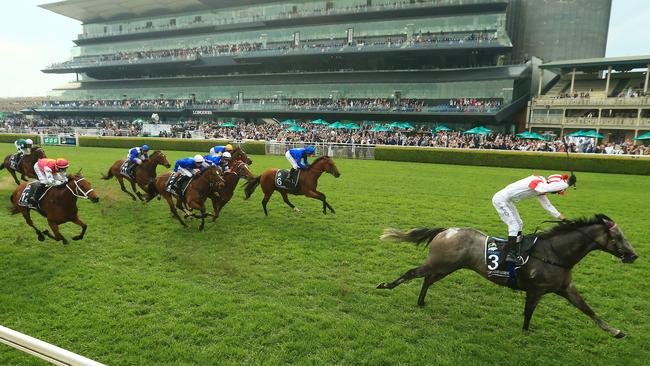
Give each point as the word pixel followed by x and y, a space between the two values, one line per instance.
pixel 187 168
pixel 298 157
pixel 222 161
pixel 50 172
pixel 533 186
pixel 137 155
pixel 22 145
pixel 219 150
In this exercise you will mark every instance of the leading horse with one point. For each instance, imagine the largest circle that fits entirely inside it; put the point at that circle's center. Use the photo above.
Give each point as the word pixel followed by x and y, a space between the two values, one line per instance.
pixel 307 183
pixel 223 195
pixel 145 174
pixel 26 167
pixel 548 269
pixel 58 206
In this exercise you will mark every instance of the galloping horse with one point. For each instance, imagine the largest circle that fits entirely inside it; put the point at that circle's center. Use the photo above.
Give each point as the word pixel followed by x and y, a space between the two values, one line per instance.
pixel 26 167
pixel 548 269
pixel 222 196
pixel 59 205
pixel 307 184
pixel 144 174
pixel 239 154
pixel 199 189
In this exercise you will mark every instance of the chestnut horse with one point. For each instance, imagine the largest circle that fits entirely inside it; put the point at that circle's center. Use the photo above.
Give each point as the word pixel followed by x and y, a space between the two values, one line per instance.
pixel 200 188
pixel 59 205
pixel 26 167
pixel 548 269
pixel 239 170
pixel 144 174
pixel 307 183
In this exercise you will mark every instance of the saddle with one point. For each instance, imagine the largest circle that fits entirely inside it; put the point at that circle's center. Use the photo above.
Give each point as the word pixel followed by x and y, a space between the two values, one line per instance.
pixel 495 257
pixel 32 195
pixel 286 180
pixel 177 184
pixel 127 169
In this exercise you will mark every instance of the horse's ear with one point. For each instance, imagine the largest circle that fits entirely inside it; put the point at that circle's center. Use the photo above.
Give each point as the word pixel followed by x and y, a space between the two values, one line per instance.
pixel 79 172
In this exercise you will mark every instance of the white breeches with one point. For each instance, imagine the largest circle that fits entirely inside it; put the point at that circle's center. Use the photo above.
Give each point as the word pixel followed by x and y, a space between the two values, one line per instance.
pixel 292 161
pixel 185 172
pixel 508 214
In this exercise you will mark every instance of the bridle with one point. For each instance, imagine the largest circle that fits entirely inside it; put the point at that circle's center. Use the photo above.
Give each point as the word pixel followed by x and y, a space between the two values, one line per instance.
pixel 239 167
pixel 78 191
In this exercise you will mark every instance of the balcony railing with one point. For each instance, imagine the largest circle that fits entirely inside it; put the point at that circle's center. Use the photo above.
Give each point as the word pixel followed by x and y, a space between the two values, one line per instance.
pixel 595 102
pixel 584 122
pixel 76 64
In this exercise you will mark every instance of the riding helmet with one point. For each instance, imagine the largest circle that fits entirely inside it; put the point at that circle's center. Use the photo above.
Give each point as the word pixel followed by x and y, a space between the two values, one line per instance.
pixel 61 163
pixel 198 158
pixel 229 147
pixel 145 148
pixel 310 149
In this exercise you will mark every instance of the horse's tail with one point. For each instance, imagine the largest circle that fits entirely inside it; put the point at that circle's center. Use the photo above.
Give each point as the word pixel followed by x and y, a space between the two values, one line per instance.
pixel 417 236
pixel 109 175
pixel 13 209
pixel 250 186
pixel 151 190
pixel 2 165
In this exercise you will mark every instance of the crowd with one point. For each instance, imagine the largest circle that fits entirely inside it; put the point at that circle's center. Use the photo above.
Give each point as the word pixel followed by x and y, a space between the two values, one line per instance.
pixel 421 136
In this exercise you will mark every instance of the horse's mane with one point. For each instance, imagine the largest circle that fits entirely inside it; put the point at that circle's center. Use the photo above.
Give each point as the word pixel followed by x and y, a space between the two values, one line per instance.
pixel 319 159
pixel 573 225
pixel 156 152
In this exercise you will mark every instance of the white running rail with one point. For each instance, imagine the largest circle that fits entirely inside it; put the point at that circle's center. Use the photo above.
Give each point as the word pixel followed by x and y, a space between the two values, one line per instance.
pixel 43 350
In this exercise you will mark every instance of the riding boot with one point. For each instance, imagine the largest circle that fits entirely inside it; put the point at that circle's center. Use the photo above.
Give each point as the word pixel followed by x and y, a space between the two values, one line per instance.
pixel 513 250
pixel 292 177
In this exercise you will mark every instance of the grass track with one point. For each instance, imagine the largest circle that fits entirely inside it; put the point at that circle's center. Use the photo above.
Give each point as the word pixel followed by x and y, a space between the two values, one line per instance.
pixel 299 289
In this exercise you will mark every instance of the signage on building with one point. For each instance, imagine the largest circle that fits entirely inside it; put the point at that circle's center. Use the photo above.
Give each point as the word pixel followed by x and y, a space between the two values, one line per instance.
pixel 202 113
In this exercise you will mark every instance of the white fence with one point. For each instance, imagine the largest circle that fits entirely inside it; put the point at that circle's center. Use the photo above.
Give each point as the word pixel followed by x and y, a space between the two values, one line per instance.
pixel 348 151
pixel 43 350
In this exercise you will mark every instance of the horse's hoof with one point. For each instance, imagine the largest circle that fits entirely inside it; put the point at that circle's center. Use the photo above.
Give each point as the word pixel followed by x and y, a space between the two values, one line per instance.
pixel 620 334
pixel 382 285
pixel 78 237
pixel 65 241
pixel 134 199
pixel 41 238
pixel 421 304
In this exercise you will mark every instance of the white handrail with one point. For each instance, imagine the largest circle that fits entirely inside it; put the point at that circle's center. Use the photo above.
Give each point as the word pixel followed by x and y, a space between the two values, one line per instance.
pixel 43 350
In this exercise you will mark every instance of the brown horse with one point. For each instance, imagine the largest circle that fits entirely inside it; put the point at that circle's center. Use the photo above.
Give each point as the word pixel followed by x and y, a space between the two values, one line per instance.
pixel 307 184
pixel 26 167
pixel 59 205
pixel 548 269
pixel 200 188
pixel 222 196
pixel 239 154
pixel 144 174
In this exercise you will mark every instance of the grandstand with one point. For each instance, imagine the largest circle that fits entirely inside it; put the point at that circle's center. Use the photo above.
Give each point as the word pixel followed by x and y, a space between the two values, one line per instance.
pixel 609 95
pixel 409 60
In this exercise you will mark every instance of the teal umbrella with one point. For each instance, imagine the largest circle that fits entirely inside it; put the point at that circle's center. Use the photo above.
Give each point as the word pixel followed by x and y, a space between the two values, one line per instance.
pixel 530 136
pixel 379 128
pixel 372 123
pixel 442 128
pixel 395 125
pixel 645 136
pixel 593 134
pixel 296 128
pixel 336 125
pixel 138 121
pixel 228 124
pixel 580 133
pixel 352 126
pixel 407 126
pixel 483 129
pixel 319 122
pixel 477 131
pixel 288 122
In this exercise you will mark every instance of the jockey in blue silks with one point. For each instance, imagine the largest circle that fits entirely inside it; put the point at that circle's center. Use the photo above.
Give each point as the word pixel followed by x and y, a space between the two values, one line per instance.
pixel 186 169
pixel 136 156
pixel 219 150
pixel 298 159
pixel 219 160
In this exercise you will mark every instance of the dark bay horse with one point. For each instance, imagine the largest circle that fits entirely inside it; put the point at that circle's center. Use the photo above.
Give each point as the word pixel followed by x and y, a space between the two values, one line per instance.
pixel 199 189
pixel 307 184
pixel 239 154
pixel 58 206
pixel 548 269
pixel 145 174
pixel 223 195
pixel 26 167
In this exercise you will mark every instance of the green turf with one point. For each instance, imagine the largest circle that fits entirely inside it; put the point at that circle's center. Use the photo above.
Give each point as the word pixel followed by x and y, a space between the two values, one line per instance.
pixel 300 289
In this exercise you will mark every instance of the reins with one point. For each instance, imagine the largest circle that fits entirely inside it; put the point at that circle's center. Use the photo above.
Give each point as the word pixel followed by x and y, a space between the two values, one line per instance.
pixel 78 192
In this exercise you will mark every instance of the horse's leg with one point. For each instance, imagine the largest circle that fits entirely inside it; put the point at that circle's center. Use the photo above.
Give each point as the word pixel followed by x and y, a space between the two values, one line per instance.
pixel 83 225
pixel 121 180
pixel 216 205
pixel 28 219
pixel 571 293
pixel 265 200
pixel 135 190
pixel 428 281
pixel 172 208
pixel 321 197
pixel 285 197
pixel 325 203
pixel 532 299
pixel 55 230
pixel 409 275
pixel 13 174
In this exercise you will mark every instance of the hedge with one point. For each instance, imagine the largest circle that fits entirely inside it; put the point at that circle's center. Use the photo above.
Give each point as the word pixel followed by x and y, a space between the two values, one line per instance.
pixel 518 159
pixel 11 137
pixel 253 148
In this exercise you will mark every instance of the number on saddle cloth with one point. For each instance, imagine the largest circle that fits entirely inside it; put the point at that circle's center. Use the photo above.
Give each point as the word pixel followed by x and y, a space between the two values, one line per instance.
pixel 15 161
pixel 285 180
pixel 32 195
pixel 495 257
pixel 127 169
pixel 177 184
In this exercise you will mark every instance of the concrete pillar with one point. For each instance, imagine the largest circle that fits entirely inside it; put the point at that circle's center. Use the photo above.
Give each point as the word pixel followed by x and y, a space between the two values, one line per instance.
pixel 573 80
pixel 645 85
pixel 541 78
pixel 609 74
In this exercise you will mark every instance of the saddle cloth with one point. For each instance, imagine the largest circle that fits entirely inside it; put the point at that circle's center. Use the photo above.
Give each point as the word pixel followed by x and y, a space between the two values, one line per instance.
pixel 14 161
pixel 284 180
pixel 171 184
pixel 125 169
pixel 495 255
pixel 29 192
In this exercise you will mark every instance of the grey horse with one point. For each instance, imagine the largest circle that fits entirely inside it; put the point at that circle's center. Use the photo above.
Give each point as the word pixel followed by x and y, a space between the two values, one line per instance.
pixel 548 269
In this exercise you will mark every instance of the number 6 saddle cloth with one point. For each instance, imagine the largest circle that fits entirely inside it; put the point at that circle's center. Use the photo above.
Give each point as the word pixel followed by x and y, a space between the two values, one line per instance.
pixel 495 255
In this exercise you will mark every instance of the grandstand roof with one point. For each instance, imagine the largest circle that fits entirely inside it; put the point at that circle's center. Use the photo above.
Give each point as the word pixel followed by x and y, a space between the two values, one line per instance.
pixel 96 10
pixel 600 63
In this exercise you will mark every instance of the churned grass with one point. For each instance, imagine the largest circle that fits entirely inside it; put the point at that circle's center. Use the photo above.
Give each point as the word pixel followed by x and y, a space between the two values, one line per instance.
pixel 300 289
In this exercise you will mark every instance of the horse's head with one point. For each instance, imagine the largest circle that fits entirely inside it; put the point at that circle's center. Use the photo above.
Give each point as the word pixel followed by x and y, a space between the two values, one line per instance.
pixel 38 153
pixel 239 154
pixel 614 241
pixel 80 187
pixel 158 157
pixel 213 176
pixel 326 164
pixel 240 168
